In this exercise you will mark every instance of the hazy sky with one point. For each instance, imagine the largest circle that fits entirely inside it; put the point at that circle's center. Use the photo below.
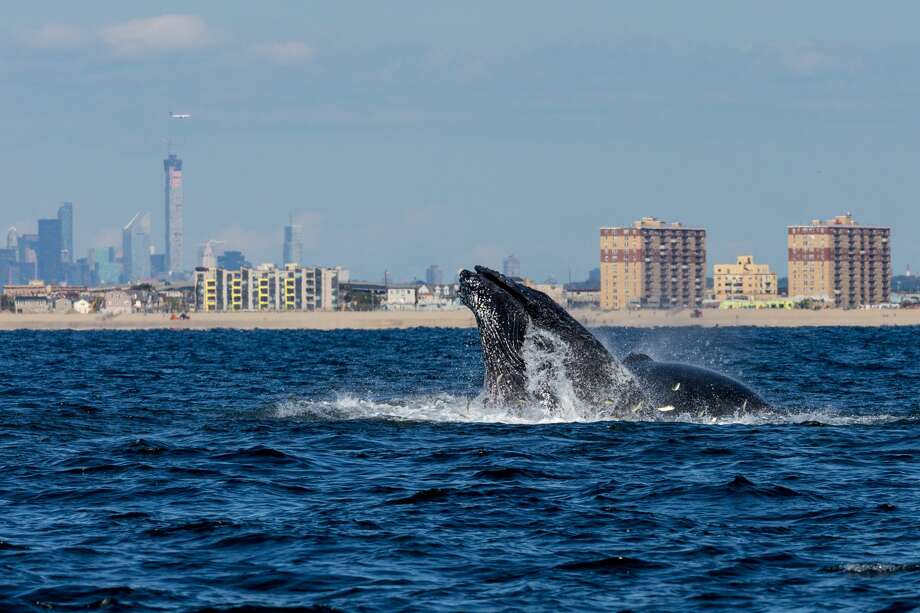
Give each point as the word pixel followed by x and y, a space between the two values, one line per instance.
pixel 409 133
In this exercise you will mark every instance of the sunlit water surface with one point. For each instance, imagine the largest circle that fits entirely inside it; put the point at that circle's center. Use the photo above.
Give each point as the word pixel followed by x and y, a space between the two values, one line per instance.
pixel 357 470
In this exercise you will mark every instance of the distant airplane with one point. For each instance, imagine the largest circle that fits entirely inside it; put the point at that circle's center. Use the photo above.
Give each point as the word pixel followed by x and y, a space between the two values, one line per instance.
pixel 179 115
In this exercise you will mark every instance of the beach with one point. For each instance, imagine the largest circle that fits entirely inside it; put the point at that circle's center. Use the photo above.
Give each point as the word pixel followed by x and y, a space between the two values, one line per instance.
pixel 461 318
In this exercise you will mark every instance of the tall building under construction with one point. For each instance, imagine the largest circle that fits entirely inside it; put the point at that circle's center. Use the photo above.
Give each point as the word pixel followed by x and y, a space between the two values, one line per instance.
pixel 840 262
pixel 172 166
pixel 653 264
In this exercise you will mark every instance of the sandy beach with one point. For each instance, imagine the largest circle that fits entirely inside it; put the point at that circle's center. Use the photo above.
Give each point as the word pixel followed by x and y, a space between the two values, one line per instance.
pixel 380 320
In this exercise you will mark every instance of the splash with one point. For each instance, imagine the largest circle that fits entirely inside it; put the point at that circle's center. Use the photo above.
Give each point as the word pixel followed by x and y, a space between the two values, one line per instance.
pixel 552 398
pixel 445 408
pixel 548 383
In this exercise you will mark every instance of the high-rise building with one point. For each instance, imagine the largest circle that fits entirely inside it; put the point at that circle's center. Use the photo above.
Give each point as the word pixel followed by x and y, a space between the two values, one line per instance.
pixel 27 255
pixel 232 260
pixel 172 166
pixel 65 216
pixel 135 241
pixel 48 253
pixel 158 265
pixel 652 264
pixel 511 266
pixel 434 275
pixel 744 279
pixel 208 253
pixel 292 253
pixel 12 239
pixel 840 261
pixel 105 266
pixel 594 278
pixel 9 269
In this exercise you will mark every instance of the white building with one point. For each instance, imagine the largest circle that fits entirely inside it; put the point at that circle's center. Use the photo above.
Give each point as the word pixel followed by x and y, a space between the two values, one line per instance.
pixel 31 304
pixel 401 298
pixel 117 302
pixel 83 307
pixel 62 305
pixel 440 297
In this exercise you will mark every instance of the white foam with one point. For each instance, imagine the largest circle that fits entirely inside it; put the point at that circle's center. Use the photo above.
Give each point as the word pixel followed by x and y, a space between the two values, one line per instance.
pixel 552 400
pixel 459 409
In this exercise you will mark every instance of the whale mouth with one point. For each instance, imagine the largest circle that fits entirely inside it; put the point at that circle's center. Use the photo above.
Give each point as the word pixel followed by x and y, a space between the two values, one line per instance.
pixel 501 311
pixel 482 279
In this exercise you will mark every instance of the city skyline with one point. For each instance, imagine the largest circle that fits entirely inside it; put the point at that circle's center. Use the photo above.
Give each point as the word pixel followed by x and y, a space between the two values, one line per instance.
pixel 736 128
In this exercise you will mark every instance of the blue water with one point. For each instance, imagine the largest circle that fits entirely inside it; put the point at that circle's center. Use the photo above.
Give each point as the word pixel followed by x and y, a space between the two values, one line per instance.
pixel 355 470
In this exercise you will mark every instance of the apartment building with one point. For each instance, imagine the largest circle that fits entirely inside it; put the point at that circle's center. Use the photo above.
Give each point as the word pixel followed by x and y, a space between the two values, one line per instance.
pixel 744 279
pixel 267 288
pixel 652 264
pixel 840 262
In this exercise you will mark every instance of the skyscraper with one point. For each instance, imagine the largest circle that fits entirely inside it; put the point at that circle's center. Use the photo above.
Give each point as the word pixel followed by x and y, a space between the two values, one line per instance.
pixel 511 266
pixel 27 255
pixel 293 244
pixel 135 241
pixel 434 275
pixel 9 269
pixel 172 166
pixel 208 253
pixel 65 216
pixel 232 260
pixel 48 251
pixel 12 239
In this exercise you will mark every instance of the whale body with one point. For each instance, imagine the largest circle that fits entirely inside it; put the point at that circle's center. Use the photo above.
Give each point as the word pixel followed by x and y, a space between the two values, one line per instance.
pixel 530 343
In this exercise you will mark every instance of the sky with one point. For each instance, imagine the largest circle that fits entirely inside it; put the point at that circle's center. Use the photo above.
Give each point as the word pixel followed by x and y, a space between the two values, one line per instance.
pixel 403 134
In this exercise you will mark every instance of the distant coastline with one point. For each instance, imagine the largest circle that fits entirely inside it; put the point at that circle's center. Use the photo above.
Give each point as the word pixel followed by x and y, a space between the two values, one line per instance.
pixel 384 320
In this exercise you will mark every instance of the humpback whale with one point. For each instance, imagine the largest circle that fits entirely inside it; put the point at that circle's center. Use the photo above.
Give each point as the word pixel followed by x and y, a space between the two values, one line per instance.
pixel 530 344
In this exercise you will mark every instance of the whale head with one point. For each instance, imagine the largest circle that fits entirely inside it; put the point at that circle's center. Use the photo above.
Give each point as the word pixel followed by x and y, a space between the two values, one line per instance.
pixel 513 320
pixel 535 352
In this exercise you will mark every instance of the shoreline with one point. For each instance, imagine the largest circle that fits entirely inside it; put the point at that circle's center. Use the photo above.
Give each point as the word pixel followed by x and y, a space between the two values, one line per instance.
pixel 396 320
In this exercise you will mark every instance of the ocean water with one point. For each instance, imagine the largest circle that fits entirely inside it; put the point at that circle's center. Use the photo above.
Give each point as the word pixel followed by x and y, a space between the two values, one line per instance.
pixel 356 470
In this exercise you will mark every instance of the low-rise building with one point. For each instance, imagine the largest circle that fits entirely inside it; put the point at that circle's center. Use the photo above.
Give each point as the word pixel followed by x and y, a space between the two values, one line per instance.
pixel 362 295
pixel 117 302
pixel 83 306
pixel 437 297
pixel 401 297
pixel 267 288
pixel 553 290
pixel 583 298
pixel 775 303
pixel 31 304
pixel 32 288
pixel 62 305
pixel 744 279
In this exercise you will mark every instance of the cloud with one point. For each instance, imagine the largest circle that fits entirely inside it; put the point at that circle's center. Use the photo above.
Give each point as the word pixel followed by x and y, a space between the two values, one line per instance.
pixel 157 34
pixel 56 36
pixel 806 59
pixel 288 52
